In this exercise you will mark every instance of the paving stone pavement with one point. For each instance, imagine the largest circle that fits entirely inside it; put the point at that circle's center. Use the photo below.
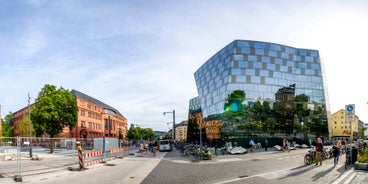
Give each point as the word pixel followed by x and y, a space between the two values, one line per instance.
pixel 175 169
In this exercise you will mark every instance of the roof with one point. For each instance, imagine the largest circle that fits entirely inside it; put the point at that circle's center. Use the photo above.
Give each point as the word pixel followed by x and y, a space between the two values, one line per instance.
pixel 78 94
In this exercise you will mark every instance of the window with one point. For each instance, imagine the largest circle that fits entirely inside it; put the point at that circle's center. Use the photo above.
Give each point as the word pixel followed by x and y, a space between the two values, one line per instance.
pixel 83 124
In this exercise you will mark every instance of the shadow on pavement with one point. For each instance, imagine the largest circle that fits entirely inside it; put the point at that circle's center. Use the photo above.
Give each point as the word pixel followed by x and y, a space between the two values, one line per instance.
pixel 322 174
pixel 302 169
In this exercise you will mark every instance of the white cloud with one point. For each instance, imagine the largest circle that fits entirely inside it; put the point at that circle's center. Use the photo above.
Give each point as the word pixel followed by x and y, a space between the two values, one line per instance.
pixel 141 59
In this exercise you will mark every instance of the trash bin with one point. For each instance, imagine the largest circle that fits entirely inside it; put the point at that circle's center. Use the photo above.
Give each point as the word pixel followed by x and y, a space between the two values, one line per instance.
pixel 354 155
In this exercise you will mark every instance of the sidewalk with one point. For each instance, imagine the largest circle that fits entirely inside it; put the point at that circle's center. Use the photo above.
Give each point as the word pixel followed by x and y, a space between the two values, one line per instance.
pixel 130 169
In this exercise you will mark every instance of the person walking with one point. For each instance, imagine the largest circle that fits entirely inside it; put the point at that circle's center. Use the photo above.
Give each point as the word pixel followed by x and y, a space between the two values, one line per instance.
pixel 319 149
pixel 155 147
pixel 287 145
pixel 336 152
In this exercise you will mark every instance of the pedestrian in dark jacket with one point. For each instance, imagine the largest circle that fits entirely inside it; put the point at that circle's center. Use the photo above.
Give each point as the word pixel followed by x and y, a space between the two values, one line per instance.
pixel 319 149
pixel 336 152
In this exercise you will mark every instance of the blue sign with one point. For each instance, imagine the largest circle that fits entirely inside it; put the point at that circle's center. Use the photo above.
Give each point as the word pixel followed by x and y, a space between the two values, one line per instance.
pixel 350 108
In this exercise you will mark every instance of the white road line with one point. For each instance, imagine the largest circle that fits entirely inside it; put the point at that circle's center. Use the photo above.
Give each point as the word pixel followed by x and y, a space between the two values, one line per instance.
pixel 271 175
pixel 342 177
pixel 350 178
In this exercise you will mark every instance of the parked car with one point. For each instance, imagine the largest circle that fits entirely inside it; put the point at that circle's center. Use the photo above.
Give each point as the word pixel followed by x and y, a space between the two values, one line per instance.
pixel 238 150
pixel 165 145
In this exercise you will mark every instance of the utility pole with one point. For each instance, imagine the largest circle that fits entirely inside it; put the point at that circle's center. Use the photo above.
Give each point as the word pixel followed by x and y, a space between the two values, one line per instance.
pixel 173 129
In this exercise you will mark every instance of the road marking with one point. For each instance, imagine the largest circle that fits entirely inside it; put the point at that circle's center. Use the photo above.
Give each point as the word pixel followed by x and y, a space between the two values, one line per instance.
pixel 271 175
pixel 350 178
pixel 342 177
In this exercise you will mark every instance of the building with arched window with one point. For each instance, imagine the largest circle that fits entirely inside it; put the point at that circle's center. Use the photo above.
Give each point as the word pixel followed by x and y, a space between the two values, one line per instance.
pixel 95 120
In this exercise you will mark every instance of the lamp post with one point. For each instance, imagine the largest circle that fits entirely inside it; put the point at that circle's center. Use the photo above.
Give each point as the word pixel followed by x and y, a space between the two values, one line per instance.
pixel 173 130
pixel 30 127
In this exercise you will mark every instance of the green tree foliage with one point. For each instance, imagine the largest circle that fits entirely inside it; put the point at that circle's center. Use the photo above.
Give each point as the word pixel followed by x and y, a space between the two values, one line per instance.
pixel 138 133
pixel 148 134
pixel 133 133
pixel 54 110
pixel 7 125
pixel 120 134
pixel 24 126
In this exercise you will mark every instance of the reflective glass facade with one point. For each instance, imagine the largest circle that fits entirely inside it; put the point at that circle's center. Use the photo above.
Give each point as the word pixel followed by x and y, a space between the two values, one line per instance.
pixel 259 69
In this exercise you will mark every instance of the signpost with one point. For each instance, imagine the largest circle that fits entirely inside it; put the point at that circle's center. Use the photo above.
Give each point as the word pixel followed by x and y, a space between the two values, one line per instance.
pixel 350 115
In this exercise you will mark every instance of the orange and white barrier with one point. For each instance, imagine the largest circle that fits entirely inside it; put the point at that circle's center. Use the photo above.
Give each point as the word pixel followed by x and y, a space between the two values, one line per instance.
pixel 92 154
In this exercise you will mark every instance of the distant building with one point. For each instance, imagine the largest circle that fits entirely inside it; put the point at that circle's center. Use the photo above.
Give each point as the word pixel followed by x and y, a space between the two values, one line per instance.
pixel 95 119
pixel 181 131
pixel 341 128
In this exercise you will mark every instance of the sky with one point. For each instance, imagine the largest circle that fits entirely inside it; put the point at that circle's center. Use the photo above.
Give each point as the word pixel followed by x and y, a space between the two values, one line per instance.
pixel 140 56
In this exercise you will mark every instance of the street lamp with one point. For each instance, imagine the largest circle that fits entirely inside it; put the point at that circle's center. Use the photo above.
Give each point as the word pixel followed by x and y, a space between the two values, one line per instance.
pixel 30 127
pixel 173 130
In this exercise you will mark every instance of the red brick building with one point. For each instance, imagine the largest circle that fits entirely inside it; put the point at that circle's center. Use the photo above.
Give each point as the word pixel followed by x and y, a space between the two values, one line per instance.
pixel 95 119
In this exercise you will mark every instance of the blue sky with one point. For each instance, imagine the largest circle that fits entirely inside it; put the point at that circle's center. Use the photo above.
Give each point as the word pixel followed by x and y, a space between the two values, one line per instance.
pixel 140 56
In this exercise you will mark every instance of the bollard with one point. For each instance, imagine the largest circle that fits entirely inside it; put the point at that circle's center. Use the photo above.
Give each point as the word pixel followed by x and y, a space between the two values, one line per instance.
pixel 80 157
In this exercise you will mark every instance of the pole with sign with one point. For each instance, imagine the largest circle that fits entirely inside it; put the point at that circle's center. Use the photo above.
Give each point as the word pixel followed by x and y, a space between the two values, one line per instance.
pixel 350 114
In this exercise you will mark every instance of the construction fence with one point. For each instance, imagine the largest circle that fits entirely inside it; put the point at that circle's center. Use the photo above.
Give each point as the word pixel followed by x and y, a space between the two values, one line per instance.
pixel 21 156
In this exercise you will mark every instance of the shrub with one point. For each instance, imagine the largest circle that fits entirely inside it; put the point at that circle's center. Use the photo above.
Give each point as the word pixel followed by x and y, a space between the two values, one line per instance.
pixel 363 158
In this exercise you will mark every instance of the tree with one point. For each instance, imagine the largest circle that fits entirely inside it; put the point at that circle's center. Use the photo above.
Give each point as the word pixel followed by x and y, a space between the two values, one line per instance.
pixel 120 134
pixel 133 133
pixel 24 126
pixel 7 126
pixel 148 134
pixel 54 110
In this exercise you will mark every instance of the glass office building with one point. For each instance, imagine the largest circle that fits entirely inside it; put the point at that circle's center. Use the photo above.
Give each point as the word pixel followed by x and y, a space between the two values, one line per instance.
pixel 260 69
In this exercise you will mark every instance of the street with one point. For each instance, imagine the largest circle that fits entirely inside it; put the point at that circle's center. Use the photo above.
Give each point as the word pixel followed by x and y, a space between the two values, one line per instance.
pixel 270 167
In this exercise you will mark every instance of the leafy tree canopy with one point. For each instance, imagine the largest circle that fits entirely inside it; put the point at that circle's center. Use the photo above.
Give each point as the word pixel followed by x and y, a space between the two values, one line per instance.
pixel 7 125
pixel 54 110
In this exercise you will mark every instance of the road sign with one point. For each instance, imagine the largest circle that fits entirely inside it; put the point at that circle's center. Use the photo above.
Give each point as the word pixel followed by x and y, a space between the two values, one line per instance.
pixel 350 109
pixel 349 118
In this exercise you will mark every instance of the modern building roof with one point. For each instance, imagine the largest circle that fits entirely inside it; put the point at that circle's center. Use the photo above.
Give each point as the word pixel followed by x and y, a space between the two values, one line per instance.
pixel 78 94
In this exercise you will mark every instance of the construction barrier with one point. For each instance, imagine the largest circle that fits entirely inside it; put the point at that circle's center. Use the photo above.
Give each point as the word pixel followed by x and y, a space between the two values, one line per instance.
pixel 95 157
pixel 90 158
pixel 80 157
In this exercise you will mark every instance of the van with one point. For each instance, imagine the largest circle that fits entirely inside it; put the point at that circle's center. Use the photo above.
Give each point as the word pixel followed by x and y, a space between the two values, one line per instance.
pixel 165 145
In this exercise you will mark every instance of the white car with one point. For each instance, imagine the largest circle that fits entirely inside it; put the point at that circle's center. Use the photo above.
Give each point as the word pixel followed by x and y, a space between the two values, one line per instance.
pixel 165 145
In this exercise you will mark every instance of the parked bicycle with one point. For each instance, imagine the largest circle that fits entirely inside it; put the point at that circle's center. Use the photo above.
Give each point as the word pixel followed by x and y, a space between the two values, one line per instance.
pixel 327 153
pixel 308 158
